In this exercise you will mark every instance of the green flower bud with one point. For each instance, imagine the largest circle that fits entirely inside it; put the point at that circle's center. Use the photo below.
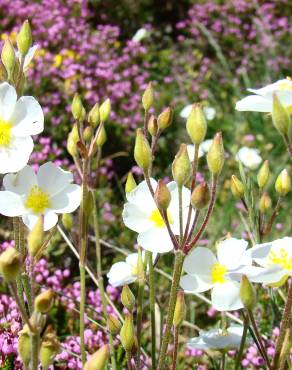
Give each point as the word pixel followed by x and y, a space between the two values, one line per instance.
pixel 49 349
pixel 114 325
pixel 162 196
pixel 127 333
pixel 128 298
pixel 142 152
pixel 197 124
pixel 67 221
pixel 280 116
pixel 180 310
pixel 101 137
pixel 164 119
pixel 181 166
pixel 72 145
pixel 24 346
pixel 88 133
pixel 77 107
pixel 283 183
pixel 36 237
pixel 237 187
pixel 44 301
pixel 104 110
pixel 24 39
pixel 152 126
pixel 265 203
pixel 148 97
pixel 74 132
pixel 130 183
pixel 10 264
pixel 8 57
pixel 98 360
pixel 263 175
pixel 200 196
pixel 94 116
pixel 247 294
pixel 215 156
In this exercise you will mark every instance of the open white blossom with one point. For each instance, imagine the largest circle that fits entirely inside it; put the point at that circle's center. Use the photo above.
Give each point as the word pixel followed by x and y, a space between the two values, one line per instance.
pixel 140 35
pixel 203 149
pixel 209 112
pixel 249 157
pixel 141 215
pixel 19 120
pixel 218 339
pixel 262 100
pixel 29 195
pixel 28 58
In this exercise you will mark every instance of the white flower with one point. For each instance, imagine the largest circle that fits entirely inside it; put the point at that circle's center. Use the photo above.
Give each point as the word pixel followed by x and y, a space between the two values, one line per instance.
pixel 210 112
pixel 205 271
pixel 218 339
pixel 141 215
pixel 249 157
pixel 140 35
pixel 19 119
pixel 203 149
pixel 29 195
pixel 262 101
pixel 124 273
pixel 28 58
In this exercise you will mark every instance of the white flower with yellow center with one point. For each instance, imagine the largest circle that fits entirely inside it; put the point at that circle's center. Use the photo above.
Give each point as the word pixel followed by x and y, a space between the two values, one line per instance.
pixel 262 100
pixel 29 195
pixel 249 157
pixel 19 120
pixel 205 271
pixel 140 214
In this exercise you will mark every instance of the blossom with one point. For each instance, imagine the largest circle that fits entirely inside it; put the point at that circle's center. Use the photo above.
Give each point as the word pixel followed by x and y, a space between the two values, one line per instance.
pixel 19 119
pixel 210 112
pixel 141 215
pixel 218 339
pixel 249 157
pixel 29 195
pixel 262 100
pixel 140 35
pixel 205 271
pixel 203 149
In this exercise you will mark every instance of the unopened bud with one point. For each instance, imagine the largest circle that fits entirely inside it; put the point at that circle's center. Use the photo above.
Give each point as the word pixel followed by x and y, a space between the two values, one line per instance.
pixel 237 187
pixel 152 126
pixel 72 145
pixel 180 309
pixel 181 166
pixel 142 152
pixel 200 196
pixel 215 156
pixel 10 264
pixel 88 133
pixel 24 38
pixel 77 107
pixel 280 116
pixel 114 325
pixel 98 360
pixel 265 203
pixel 35 237
pixel 49 349
pixel 101 137
pixel 67 221
pixel 283 183
pixel 94 116
pixel 130 183
pixel 162 196
pixel 128 298
pixel 247 293
pixel 105 110
pixel 127 333
pixel 44 301
pixel 3 72
pixel 164 119
pixel 8 57
pixel 24 346
pixel 197 124
pixel 263 175
pixel 148 97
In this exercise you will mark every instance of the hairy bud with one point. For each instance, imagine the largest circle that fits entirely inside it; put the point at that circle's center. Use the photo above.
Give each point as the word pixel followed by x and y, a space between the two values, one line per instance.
pixel 24 39
pixel 162 196
pixel 105 110
pixel 98 360
pixel 10 264
pixel 263 175
pixel 44 301
pixel 197 124
pixel 77 107
pixel 101 137
pixel 8 57
pixel 148 97
pixel 49 349
pixel 127 333
pixel 130 183
pixel 283 183
pixel 128 298
pixel 237 187
pixel 180 309
pixel 152 126
pixel 215 156
pixel 114 325
pixel 247 293
pixel 280 116
pixel 200 196
pixel 94 116
pixel 24 346
pixel 181 166
pixel 165 118
pixel 35 237
pixel 265 203
pixel 142 152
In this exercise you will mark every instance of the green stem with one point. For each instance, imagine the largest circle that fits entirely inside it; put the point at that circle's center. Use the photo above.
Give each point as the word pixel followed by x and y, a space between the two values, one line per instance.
pixel 181 231
pixel 152 308
pixel 129 358
pixel 82 310
pixel 141 286
pixel 178 263
pixel 242 344
pixel 21 308
pixel 174 356
pixel 34 351
pixel 223 362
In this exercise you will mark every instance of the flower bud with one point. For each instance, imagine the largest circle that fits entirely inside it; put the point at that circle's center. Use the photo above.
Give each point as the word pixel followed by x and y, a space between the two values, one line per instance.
pixel 200 196
pixel 280 116
pixel 162 196
pixel 247 293
pixel 128 298
pixel 196 124
pixel 49 349
pixel 74 132
pixel 142 152
pixel 10 264
pixel 283 183
pixel 8 57
pixel 98 360
pixel 181 166
pixel 72 145
pixel 24 38
pixel 35 237
pixel 265 203
pixel 127 333
pixel 88 133
pixel 164 119
pixel 148 97
pixel 67 221
pixel 263 175
pixel 44 301
pixel 130 183
pixel 152 126
pixel 101 137
pixel 77 107
pixel 114 325
pixel 215 156
pixel 94 116
pixel 180 309
pixel 237 187
pixel 24 346
pixel 105 110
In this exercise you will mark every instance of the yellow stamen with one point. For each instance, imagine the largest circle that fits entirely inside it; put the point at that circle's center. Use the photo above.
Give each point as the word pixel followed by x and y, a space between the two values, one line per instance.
pixel 37 200
pixel 282 258
pixel 157 219
pixel 5 134
pixel 218 272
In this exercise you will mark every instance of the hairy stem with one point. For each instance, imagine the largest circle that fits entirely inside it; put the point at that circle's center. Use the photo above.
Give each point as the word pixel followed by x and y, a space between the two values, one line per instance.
pixel 175 348
pixel 242 344
pixel 152 308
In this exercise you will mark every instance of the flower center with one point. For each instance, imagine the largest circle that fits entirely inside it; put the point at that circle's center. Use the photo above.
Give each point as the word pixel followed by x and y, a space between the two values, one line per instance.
pixel 5 134
pixel 281 259
pixel 217 273
pixel 157 219
pixel 37 200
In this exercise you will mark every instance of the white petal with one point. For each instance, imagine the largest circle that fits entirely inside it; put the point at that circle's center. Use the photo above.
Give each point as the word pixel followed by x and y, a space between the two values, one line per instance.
pixel 16 156
pixel 193 284
pixel 254 103
pixel 155 240
pixel 135 219
pixel 260 253
pixel 191 152
pixel 8 99
pixel 225 297
pixel 132 259
pixel 21 182
pixel 142 197
pixel 52 178
pixel 231 253
pixel 121 274
pixel 216 339
pixel 29 57
pixel 198 343
pixel 66 201
pixel 270 275
pixel 185 112
pixel 199 263
pixel 249 271
pixel 11 204
pixel 50 220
